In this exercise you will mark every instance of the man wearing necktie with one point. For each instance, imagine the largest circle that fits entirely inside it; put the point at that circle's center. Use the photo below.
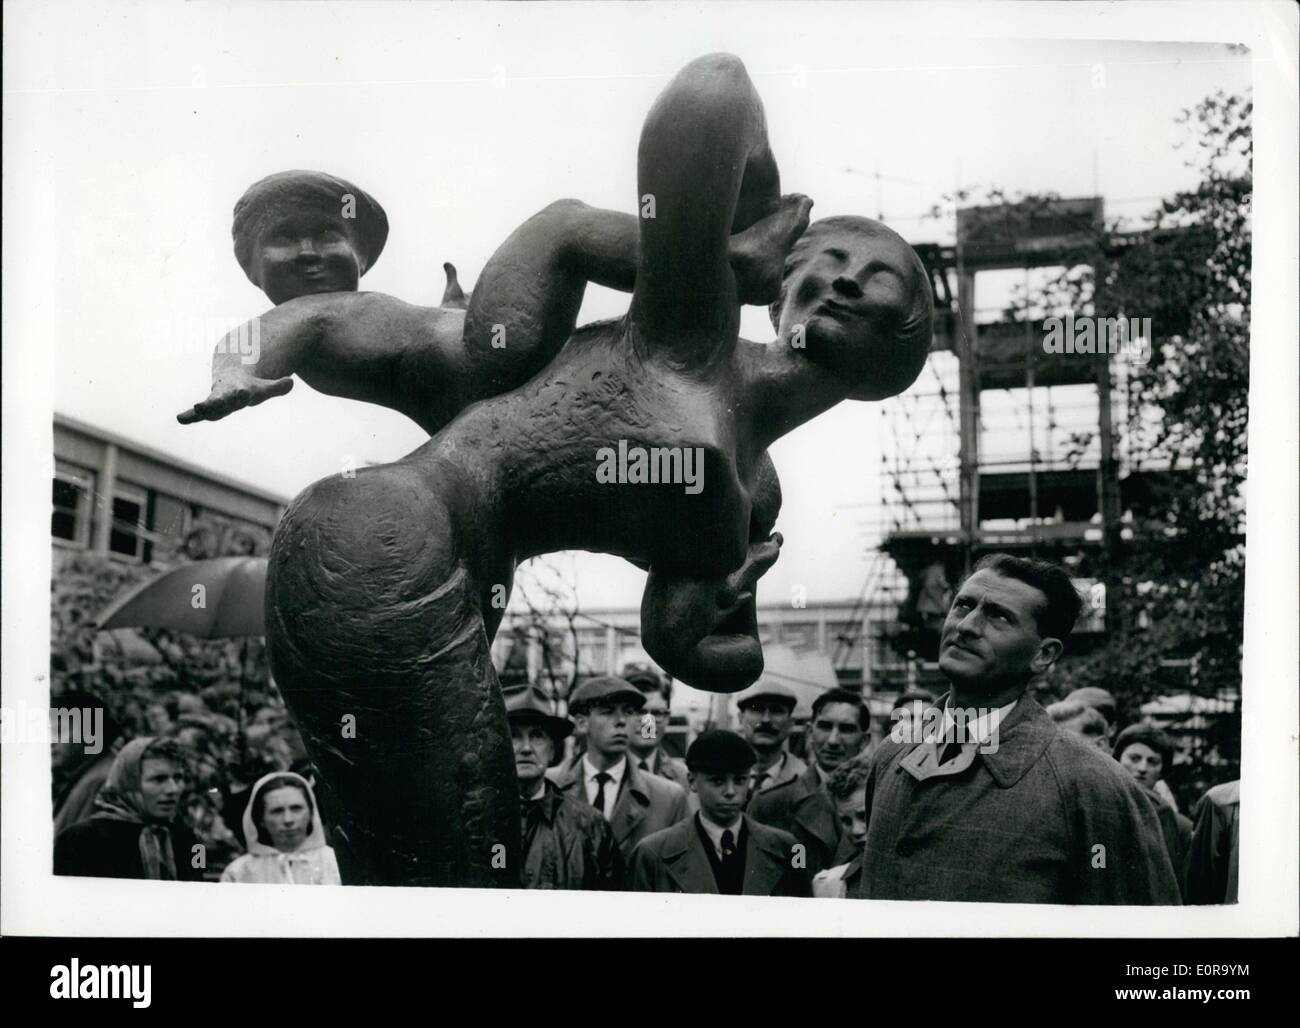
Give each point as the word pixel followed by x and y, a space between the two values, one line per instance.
pixel 646 743
pixel 633 802
pixel 803 807
pixel 720 850
pixel 567 844
pixel 766 715
pixel 986 799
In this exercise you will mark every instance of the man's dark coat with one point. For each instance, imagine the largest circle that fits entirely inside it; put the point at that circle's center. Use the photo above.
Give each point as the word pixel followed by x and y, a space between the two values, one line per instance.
pixel 1044 819
pixel 568 845
pixel 646 803
pixel 805 810
pixel 674 860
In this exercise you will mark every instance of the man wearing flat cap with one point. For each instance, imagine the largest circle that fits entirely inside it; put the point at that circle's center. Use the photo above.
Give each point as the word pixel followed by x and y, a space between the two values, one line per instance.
pixel 646 743
pixel 634 803
pixel 766 717
pixel 567 844
pixel 721 850
pixel 803 807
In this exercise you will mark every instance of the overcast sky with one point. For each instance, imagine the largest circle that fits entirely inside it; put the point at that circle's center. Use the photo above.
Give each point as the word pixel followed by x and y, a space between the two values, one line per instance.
pixel 133 128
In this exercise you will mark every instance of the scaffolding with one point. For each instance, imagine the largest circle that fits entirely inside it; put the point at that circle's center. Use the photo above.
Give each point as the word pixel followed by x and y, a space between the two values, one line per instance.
pixel 1000 445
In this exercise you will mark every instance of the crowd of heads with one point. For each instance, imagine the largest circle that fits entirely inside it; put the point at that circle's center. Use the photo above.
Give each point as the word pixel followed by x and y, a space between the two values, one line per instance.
pixel 198 763
pixel 179 760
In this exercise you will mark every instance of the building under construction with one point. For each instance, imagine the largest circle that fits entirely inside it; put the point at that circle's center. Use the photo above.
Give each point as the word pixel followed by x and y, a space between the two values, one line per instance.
pixel 1002 445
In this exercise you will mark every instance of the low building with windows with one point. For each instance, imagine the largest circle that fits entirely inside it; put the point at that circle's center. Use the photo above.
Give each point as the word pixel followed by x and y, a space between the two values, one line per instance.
pixel 123 499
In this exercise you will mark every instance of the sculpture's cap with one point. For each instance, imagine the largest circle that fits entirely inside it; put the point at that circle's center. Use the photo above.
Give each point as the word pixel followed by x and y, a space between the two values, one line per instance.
pixel 767 690
pixel 289 191
pixel 605 689
pixel 528 703
pixel 720 752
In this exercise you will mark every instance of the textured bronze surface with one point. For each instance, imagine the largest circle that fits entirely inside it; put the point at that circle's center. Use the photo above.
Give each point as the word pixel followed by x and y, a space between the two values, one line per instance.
pixel 382 583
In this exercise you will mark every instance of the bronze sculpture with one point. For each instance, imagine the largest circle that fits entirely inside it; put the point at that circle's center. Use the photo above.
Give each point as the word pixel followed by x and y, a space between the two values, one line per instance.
pixel 385 588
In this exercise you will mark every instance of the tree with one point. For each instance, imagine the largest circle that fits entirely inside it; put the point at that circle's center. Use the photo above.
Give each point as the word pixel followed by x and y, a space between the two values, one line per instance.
pixel 1182 557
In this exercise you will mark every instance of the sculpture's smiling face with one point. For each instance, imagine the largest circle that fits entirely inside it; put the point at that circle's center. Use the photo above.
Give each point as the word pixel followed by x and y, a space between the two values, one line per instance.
pixel 303 252
pixel 856 300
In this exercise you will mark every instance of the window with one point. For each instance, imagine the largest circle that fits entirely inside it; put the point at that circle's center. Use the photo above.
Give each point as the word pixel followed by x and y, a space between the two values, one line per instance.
pixel 800 637
pixel 591 650
pixel 126 536
pixel 73 488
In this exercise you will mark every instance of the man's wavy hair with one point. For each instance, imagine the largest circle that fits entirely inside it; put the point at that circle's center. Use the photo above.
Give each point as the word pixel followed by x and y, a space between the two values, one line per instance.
pixel 1057 618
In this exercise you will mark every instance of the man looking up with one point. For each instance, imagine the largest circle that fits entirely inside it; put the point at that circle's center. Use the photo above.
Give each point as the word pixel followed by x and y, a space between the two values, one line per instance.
pixel 1024 812
pixel 634 803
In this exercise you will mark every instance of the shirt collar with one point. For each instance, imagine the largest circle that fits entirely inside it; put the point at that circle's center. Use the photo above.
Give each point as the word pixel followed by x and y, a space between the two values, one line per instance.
pixel 540 791
pixel 714 832
pixel 981 729
pixel 615 773
pixel 772 773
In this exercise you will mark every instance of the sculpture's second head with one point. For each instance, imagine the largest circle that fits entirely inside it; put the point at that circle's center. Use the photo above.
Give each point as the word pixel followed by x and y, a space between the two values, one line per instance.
pixel 302 232
pixel 856 299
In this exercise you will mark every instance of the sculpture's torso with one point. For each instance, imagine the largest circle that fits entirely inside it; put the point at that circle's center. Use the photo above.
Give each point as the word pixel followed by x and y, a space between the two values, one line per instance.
pixel 537 451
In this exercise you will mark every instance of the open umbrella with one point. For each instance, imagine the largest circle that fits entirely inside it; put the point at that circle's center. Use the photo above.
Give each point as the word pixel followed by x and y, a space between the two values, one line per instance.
pixel 213 598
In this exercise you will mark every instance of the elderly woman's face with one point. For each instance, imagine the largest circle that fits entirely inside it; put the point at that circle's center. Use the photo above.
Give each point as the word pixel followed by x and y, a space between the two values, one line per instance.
pixel 844 304
pixel 301 253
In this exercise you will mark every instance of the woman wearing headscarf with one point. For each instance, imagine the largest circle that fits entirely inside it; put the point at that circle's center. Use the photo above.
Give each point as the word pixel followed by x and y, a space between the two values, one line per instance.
pixel 286 841
pixel 133 831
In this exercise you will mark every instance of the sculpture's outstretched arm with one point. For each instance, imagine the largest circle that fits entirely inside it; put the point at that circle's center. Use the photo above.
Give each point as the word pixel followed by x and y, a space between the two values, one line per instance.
pixel 426 362
pixel 359 346
pixel 704 172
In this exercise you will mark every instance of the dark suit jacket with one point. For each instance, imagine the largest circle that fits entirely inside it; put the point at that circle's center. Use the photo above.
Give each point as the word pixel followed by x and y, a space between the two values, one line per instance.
pixel 646 803
pixel 1044 819
pixel 674 861
pixel 805 810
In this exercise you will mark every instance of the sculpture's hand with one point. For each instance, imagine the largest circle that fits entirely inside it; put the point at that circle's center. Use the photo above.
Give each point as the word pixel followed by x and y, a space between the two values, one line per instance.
pixel 758 254
pixel 234 386
pixel 704 631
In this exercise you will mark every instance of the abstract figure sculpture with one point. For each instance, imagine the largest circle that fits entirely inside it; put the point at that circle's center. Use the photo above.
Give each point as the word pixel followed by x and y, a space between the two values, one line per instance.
pixel 381 590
